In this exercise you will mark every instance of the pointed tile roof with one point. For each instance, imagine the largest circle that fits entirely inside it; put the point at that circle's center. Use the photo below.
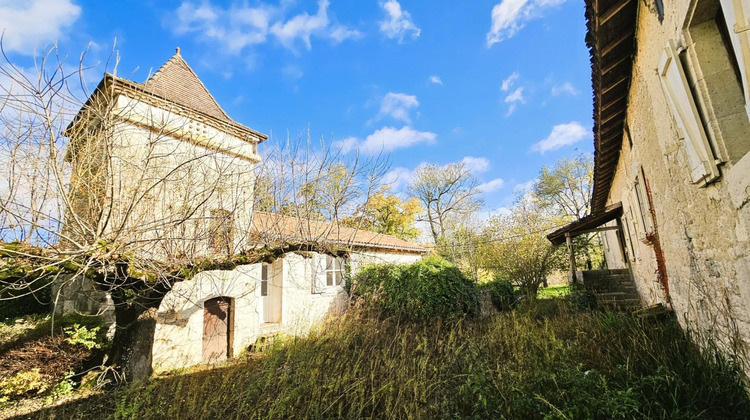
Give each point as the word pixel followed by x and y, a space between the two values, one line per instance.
pixel 177 82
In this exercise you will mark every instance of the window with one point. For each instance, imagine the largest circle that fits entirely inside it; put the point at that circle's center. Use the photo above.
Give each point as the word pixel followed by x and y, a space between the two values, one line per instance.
pixel 701 162
pixel 736 14
pixel 717 72
pixel 334 270
pixel 641 204
pixel 264 280
pixel 222 231
pixel 629 240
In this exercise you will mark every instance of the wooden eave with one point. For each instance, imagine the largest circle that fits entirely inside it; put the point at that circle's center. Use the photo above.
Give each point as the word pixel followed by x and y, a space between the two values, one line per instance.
pixel 611 39
pixel 586 224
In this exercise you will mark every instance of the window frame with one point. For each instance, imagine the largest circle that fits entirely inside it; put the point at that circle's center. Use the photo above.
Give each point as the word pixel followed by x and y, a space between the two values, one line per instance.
pixel 264 277
pixel 702 163
pixel 737 19
pixel 334 269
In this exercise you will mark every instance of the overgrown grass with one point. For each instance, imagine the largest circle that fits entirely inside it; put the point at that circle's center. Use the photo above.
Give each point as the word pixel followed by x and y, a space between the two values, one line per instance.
pixel 554 292
pixel 540 361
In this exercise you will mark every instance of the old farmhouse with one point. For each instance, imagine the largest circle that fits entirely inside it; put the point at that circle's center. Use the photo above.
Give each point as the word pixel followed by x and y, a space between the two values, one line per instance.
pixel 161 167
pixel 672 168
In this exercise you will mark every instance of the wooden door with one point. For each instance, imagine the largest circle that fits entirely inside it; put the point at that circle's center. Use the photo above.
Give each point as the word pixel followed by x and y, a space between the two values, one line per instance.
pixel 217 323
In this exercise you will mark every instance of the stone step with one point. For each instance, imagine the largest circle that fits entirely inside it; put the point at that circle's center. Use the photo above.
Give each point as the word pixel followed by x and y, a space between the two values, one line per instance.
pixel 626 303
pixel 617 288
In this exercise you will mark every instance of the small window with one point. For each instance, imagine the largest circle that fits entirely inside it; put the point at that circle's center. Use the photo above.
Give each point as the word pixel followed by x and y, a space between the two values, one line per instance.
pixel 701 161
pixel 629 239
pixel 641 204
pixel 334 270
pixel 264 280
pixel 222 231
pixel 736 28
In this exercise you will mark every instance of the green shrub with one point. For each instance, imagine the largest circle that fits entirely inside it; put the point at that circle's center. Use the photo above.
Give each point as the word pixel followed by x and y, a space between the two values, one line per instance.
pixel 504 296
pixel 421 291
pixel 21 385
pixel 82 335
pixel 580 298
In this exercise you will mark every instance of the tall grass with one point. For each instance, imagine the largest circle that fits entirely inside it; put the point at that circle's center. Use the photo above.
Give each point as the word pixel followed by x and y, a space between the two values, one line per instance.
pixel 539 362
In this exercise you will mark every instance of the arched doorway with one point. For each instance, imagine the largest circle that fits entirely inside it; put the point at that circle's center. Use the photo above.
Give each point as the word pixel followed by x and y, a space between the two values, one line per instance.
pixel 217 329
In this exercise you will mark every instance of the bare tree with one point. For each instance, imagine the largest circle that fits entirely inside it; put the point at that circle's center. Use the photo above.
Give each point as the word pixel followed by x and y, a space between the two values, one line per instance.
pixel 135 193
pixel 448 193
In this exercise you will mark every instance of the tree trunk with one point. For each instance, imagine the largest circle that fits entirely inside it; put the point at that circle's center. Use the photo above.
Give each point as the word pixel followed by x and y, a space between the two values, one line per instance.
pixel 135 326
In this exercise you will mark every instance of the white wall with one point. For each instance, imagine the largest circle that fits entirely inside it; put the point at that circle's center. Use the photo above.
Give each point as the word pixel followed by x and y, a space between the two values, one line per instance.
pixel 306 301
pixel 178 341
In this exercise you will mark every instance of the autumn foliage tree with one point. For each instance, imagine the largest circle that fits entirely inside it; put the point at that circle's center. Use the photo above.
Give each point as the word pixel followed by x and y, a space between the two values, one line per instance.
pixel 388 214
pixel 519 250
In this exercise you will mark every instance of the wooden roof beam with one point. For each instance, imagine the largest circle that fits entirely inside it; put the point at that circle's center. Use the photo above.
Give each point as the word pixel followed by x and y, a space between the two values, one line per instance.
pixel 617 83
pixel 613 102
pixel 609 14
pixel 613 116
pixel 612 66
pixel 613 44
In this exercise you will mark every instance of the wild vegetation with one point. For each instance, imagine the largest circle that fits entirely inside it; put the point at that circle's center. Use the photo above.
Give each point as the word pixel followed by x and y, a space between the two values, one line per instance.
pixel 546 361
pixel 549 358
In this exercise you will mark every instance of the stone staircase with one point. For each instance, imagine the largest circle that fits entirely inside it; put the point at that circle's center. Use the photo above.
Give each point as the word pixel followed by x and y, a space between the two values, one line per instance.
pixel 613 289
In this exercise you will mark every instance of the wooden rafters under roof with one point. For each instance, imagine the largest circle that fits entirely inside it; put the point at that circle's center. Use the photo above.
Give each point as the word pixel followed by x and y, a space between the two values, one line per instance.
pixel 586 224
pixel 611 40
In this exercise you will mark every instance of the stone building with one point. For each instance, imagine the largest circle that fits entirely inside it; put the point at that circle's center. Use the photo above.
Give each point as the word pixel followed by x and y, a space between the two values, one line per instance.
pixel 161 172
pixel 671 84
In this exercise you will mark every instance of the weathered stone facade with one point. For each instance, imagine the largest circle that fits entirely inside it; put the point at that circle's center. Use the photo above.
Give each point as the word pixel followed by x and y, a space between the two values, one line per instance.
pixel 687 240
pixel 161 173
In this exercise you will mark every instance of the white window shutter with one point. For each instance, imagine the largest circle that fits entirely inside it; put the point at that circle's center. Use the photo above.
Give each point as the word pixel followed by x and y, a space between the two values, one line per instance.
pixel 737 16
pixel 702 164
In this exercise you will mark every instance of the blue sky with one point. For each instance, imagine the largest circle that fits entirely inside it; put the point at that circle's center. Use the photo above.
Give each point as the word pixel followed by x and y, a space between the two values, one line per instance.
pixel 503 85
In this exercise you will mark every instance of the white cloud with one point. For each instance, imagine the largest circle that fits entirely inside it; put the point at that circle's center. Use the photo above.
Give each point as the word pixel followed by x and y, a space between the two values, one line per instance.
pixel 514 98
pixel 396 106
pixel 491 186
pixel 398 24
pixel 347 144
pixel 566 88
pixel 562 135
pixel 510 16
pixel 237 27
pixel 341 33
pixel 302 26
pixel 387 139
pixel 27 24
pixel 524 187
pixel 509 82
pixel 435 80
pixel 476 164
pixel 398 178
pixel 234 28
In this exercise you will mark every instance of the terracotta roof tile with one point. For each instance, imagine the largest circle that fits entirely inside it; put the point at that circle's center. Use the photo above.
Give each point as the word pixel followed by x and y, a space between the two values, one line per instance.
pixel 270 228
pixel 177 82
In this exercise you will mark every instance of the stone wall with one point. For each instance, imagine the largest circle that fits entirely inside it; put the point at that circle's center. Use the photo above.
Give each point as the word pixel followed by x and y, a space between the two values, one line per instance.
pixel 702 229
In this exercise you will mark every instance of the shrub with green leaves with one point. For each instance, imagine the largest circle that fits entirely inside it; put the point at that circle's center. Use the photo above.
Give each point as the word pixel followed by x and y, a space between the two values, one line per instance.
pixel 421 291
pixel 22 384
pixel 82 335
pixel 580 298
pixel 504 296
